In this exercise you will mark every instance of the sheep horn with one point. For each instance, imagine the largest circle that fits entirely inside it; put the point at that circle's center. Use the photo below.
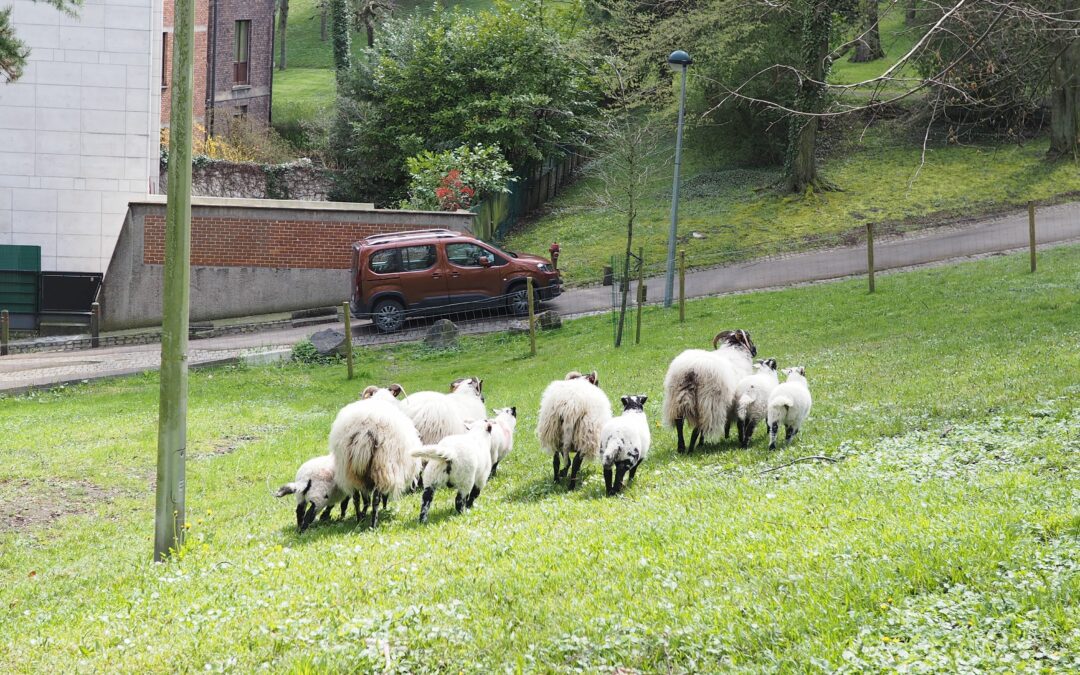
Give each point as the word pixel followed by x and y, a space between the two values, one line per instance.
pixel 716 340
pixel 396 390
pixel 369 391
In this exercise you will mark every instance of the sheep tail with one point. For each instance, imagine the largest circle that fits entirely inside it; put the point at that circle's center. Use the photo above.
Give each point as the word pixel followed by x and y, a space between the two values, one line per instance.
pixel 743 408
pixel 292 488
pixel 434 453
pixel 782 401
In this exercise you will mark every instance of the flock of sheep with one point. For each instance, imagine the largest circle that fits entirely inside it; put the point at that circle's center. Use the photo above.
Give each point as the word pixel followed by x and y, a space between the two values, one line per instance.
pixel 381 446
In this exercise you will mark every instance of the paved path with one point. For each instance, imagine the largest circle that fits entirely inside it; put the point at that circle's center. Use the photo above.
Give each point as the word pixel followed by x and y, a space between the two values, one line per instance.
pixel 1057 224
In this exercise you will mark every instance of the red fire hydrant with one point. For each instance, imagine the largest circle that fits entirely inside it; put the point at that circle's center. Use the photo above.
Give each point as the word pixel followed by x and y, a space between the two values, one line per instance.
pixel 554 251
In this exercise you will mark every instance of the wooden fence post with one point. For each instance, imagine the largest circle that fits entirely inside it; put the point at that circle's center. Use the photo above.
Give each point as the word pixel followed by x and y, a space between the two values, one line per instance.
pixel 870 254
pixel 1031 233
pixel 348 337
pixel 95 325
pixel 4 321
pixel 532 315
pixel 640 292
pixel 682 286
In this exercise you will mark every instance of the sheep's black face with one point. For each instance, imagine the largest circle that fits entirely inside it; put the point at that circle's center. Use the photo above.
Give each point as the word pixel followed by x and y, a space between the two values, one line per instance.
pixel 735 338
pixel 768 363
pixel 634 401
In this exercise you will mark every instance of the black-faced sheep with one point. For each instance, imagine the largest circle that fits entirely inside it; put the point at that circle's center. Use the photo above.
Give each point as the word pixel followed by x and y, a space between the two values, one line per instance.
pixel 752 397
pixel 624 443
pixel 699 387
pixel 572 413
pixel 315 491
pixel 460 461
pixel 789 404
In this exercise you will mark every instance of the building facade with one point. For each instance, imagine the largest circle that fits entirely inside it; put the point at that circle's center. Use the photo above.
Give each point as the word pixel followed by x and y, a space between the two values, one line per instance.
pixel 79 131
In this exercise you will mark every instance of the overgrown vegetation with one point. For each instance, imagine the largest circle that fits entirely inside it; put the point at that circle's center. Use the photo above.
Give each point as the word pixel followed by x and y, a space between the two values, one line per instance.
pixel 945 538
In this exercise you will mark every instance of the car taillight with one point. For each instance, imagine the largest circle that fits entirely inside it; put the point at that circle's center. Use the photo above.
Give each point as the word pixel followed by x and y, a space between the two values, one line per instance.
pixel 356 272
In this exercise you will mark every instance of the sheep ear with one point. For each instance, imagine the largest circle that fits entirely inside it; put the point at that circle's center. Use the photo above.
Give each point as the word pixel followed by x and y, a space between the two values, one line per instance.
pixel 594 378
pixel 801 371
pixel 480 385
pixel 513 410
pixel 626 400
pixel 396 390
pixel 368 392
pixel 455 383
pixel 489 427
pixel 642 399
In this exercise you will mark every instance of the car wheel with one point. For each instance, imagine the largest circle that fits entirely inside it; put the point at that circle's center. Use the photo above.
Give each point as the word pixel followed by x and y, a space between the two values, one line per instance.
pixel 518 300
pixel 388 316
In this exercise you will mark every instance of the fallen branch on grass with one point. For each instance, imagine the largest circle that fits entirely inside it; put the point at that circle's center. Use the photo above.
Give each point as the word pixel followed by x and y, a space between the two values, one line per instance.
pixel 811 458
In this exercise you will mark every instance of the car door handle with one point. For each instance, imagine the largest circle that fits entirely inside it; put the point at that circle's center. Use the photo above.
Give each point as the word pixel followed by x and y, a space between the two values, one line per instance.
pixel 434 275
pixel 455 275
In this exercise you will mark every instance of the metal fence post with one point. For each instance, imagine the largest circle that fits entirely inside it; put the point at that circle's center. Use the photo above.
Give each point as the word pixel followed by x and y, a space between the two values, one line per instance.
pixel 682 286
pixel 870 254
pixel 348 337
pixel 532 315
pixel 4 326
pixel 640 292
pixel 95 325
pixel 1031 232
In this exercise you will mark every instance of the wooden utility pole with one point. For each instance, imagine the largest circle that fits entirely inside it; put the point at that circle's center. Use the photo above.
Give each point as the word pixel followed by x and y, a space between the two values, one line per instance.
pixel 4 323
pixel 348 337
pixel 172 404
pixel 870 254
pixel 532 315
pixel 1031 233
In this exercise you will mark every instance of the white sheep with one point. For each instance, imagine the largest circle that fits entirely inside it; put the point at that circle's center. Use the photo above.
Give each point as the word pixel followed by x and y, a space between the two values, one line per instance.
pixel 315 491
pixel 572 413
pixel 625 442
pixel 438 415
pixel 460 461
pixel 789 404
pixel 372 442
pixel 502 436
pixel 699 387
pixel 752 398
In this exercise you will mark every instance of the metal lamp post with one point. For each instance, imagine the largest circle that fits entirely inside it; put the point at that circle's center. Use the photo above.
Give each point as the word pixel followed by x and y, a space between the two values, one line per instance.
pixel 679 60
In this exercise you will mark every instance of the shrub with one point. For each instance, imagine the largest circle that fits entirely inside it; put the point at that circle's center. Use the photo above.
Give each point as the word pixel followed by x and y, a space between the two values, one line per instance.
pixel 305 352
pixel 479 171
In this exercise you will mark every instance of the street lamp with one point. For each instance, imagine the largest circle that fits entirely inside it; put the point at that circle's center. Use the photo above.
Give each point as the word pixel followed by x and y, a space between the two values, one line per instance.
pixel 679 60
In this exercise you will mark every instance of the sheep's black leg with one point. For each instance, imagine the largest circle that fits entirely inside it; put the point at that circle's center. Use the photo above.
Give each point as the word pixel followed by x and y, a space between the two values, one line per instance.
pixel 607 480
pixel 727 427
pixel 740 428
pixel 385 497
pixel 425 505
pixel 633 471
pixel 420 480
pixel 773 428
pixel 309 517
pixel 344 508
pixel 356 502
pixel 555 465
pixel 459 503
pixel 791 431
pixel 695 440
pixel 472 496
pixel 750 427
pixel 494 470
pixel 300 516
pixel 327 512
pixel 678 429
pixel 374 509
pixel 566 467
pixel 574 471
pixel 620 472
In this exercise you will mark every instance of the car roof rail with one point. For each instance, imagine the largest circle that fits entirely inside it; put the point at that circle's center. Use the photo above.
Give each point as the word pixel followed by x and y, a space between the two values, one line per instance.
pixel 409 235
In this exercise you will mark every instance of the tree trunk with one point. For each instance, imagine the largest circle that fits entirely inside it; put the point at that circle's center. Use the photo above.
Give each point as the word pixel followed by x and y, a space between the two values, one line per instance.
pixel 626 273
pixel 370 26
pixel 800 167
pixel 322 21
pixel 283 24
pixel 1065 104
pixel 910 13
pixel 868 47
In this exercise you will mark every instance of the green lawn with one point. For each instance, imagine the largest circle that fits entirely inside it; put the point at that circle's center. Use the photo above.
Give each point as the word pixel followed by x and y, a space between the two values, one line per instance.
pixel 946 538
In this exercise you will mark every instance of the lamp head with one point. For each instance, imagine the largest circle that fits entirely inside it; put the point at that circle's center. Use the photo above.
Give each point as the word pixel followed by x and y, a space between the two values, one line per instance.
pixel 679 59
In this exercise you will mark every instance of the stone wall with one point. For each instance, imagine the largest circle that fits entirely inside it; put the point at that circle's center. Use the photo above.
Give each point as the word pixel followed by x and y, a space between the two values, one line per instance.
pixel 218 178
pixel 249 256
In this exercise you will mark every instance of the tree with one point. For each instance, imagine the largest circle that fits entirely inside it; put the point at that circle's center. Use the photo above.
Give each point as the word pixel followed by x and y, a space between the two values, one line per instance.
pixel 366 13
pixel 868 43
pixel 283 24
pixel 1065 88
pixel 800 165
pixel 339 20
pixel 13 52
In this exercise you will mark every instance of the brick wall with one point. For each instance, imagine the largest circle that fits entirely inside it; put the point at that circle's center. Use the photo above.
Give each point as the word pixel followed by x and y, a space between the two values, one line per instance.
pixel 235 241
pixel 202 13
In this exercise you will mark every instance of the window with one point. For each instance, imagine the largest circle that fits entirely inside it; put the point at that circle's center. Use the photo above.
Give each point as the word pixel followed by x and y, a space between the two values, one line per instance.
pixel 385 261
pixel 164 60
pixel 241 52
pixel 405 259
pixel 471 255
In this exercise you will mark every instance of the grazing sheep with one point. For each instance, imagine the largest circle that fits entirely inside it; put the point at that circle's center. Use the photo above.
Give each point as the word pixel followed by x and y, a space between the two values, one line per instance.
pixel 752 397
pixel 502 436
pixel 372 442
pixel 625 442
pixel 461 461
pixel 572 413
pixel 789 404
pixel 438 415
pixel 315 491
pixel 699 386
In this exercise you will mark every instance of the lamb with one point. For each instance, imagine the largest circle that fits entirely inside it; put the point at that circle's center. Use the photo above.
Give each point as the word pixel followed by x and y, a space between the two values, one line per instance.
pixel 752 397
pixel 625 442
pixel 572 413
pixel 461 461
pixel 789 404
pixel 372 442
pixel 699 386
pixel 502 436
pixel 438 415
pixel 315 491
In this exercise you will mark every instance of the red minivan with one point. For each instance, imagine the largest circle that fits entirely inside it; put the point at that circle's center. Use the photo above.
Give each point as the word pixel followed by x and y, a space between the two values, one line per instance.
pixel 426 272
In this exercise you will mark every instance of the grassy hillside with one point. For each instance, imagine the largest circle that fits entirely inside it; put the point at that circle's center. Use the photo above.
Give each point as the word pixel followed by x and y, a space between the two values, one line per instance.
pixel 946 537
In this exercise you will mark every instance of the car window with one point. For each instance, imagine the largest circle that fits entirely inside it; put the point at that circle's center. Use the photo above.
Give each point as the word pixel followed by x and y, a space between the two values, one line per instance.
pixel 469 255
pixel 415 258
pixel 385 261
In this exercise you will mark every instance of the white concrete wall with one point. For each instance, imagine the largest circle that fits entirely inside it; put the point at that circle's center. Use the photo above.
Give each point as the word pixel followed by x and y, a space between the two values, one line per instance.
pixel 79 130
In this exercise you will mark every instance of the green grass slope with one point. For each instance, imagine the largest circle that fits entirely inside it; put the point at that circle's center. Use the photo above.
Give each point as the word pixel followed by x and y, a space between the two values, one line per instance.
pixel 946 538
